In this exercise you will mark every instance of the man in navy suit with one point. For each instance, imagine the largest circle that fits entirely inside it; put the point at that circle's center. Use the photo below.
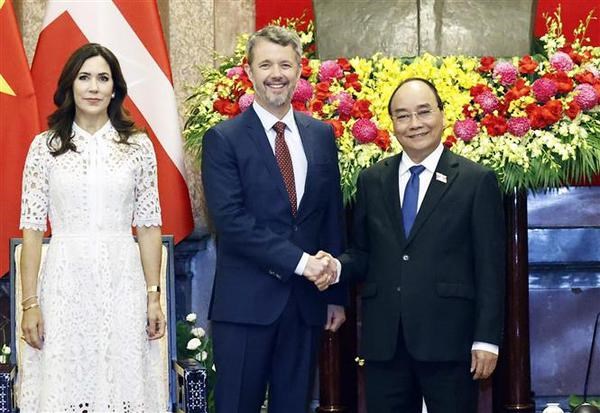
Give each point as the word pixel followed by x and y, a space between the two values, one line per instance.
pixel 428 242
pixel 272 188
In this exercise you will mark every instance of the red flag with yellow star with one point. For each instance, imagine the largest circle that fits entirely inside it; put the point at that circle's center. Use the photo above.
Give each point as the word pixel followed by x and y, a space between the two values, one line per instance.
pixel 18 125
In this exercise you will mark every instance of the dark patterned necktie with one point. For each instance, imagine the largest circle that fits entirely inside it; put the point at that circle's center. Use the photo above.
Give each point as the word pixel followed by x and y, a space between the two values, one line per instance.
pixel 411 198
pixel 284 160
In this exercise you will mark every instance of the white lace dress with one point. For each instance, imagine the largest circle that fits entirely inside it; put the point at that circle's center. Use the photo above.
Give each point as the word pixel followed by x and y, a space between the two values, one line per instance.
pixel 96 355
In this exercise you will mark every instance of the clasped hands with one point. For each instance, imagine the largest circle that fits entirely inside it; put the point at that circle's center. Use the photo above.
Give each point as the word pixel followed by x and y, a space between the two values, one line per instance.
pixel 321 269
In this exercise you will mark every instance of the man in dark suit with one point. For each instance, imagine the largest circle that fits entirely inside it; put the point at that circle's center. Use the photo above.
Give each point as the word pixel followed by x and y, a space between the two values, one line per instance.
pixel 272 188
pixel 428 242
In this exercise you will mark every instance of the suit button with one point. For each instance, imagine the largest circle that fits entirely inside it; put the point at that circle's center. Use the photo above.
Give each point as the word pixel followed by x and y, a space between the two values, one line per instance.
pixel 295 228
pixel 405 257
pixel 398 289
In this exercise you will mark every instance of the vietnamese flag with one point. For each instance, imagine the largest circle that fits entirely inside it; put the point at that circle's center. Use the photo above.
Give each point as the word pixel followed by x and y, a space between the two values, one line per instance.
pixel 131 29
pixel 18 125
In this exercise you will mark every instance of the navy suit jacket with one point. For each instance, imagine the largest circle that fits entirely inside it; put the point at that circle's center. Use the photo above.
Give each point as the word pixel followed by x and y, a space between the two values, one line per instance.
pixel 444 284
pixel 259 241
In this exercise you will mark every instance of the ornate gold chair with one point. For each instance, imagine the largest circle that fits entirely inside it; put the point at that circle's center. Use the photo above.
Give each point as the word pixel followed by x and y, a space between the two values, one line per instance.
pixel 185 381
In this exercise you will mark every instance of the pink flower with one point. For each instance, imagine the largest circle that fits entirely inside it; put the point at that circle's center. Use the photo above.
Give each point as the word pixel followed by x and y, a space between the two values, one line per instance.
pixel 234 71
pixel 586 96
pixel 466 129
pixel 488 101
pixel 518 126
pixel 544 89
pixel 303 92
pixel 345 103
pixel 561 61
pixel 364 130
pixel 246 101
pixel 506 72
pixel 329 70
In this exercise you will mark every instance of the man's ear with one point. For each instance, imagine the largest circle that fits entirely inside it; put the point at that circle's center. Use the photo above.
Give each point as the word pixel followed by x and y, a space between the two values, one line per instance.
pixel 248 70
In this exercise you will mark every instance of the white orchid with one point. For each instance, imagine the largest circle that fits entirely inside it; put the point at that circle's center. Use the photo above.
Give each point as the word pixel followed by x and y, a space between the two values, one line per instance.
pixel 198 332
pixel 193 344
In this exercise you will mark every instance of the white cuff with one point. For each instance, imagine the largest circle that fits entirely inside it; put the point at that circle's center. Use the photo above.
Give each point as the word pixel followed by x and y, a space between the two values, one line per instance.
pixel 480 345
pixel 338 264
pixel 302 264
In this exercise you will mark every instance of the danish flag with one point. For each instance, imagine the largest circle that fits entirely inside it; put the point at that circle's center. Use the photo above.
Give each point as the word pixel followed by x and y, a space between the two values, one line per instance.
pixel 131 29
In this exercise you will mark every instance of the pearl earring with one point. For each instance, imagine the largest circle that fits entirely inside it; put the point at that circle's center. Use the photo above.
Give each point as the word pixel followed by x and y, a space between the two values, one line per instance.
pixel 113 95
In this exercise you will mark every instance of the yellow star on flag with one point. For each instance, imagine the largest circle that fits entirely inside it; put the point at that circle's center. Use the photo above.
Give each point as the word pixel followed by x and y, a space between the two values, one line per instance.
pixel 5 87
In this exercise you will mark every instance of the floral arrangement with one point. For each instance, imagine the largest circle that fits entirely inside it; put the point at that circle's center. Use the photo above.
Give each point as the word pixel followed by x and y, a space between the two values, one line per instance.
pixel 4 354
pixel 535 120
pixel 194 343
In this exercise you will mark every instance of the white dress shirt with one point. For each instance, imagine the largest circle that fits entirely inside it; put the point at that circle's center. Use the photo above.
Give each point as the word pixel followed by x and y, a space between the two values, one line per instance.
pixel 294 144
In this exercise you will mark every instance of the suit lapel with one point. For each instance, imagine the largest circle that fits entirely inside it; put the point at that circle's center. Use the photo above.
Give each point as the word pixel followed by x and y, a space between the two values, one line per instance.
pixel 447 166
pixel 391 193
pixel 309 144
pixel 258 135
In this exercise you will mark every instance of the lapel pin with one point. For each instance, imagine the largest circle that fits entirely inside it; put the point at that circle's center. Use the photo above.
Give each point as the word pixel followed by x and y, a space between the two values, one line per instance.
pixel 441 177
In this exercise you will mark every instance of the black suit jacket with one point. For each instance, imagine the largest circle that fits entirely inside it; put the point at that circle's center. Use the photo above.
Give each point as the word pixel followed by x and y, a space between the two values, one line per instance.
pixel 445 283
pixel 259 242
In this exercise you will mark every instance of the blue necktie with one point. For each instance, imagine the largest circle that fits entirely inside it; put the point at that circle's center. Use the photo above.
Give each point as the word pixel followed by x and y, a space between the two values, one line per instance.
pixel 411 198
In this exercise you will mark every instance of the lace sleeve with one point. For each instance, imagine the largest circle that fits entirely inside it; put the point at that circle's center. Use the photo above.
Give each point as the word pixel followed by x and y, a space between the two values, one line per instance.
pixel 146 210
pixel 34 194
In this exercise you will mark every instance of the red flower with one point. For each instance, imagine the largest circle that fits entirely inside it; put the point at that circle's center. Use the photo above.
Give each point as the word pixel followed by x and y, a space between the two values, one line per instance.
pixel 527 65
pixel 468 111
pixel 316 106
pixel 226 107
pixel 345 64
pixel 478 89
pixel 306 69
pixel 299 105
pixel 450 141
pixel 352 81
pixel 563 82
pixel 544 116
pixel 555 108
pixel 322 90
pixel 361 109
pixel 586 77
pixel 383 139
pixel 495 125
pixel 487 64
pixel 517 91
pixel 338 127
pixel 573 110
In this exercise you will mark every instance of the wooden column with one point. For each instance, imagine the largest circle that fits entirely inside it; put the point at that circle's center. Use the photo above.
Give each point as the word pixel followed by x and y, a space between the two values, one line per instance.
pixel 514 378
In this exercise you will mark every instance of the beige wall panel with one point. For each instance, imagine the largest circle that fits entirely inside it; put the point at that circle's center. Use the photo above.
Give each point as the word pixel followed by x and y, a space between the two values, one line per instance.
pixel 30 14
pixel 191 43
pixel 476 27
pixel 364 27
pixel 412 27
pixel 232 18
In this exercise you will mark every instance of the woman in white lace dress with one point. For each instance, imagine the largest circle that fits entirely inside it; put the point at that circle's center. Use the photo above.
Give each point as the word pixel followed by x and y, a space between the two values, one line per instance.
pixel 91 321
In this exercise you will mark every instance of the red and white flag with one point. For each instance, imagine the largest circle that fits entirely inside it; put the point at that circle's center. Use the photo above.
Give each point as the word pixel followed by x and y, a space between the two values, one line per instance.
pixel 18 125
pixel 131 29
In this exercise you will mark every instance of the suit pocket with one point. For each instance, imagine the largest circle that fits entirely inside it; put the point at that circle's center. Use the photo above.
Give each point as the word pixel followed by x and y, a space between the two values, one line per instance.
pixel 455 290
pixel 368 290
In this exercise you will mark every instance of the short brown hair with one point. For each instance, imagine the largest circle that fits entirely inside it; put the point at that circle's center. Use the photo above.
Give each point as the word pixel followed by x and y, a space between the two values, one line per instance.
pixel 278 35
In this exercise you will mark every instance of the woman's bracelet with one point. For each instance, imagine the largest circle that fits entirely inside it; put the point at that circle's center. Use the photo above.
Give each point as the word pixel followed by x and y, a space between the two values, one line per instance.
pixel 153 289
pixel 30 306
pixel 28 298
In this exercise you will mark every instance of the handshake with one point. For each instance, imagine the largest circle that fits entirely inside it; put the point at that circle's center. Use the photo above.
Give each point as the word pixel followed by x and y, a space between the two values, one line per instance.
pixel 321 269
